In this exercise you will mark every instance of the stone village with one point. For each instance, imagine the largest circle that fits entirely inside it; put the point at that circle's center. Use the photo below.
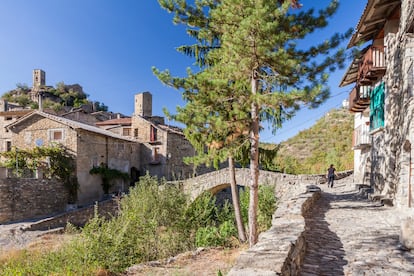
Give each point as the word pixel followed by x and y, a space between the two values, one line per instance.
pixel 382 102
pixel 135 145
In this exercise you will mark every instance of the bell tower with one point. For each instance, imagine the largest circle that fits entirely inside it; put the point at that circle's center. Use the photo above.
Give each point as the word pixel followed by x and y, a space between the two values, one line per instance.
pixel 39 78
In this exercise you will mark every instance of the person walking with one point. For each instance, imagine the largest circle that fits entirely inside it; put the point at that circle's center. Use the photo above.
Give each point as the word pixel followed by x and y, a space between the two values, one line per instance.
pixel 331 175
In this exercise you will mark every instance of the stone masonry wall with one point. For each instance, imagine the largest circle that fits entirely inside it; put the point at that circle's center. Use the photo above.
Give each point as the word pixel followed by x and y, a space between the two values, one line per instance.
pixel 30 198
pixel 78 217
pixel 217 180
pixel 281 249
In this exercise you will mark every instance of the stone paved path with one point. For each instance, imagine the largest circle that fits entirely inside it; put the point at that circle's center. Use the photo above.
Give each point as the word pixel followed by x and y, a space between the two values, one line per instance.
pixel 350 235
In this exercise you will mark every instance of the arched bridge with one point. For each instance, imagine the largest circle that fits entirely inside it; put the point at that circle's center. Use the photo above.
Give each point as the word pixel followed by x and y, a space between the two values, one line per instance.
pixel 218 180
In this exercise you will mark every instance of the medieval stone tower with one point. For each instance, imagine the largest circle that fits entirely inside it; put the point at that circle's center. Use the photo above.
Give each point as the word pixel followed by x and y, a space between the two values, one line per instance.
pixel 39 80
pixel 143 104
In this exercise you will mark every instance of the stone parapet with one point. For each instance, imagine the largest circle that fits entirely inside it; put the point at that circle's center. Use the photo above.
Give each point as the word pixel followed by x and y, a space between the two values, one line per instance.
pixel 78 217
pixel 281 249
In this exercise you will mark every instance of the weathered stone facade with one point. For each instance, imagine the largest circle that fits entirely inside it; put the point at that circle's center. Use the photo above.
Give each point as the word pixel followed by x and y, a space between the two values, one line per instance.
pixel 388 161
pixel 163 147
pixel 90 146
pixel 30 198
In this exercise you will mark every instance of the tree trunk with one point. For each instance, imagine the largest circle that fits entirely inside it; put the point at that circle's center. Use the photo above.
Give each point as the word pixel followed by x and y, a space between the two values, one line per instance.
pixel 254 166
pixel 236 201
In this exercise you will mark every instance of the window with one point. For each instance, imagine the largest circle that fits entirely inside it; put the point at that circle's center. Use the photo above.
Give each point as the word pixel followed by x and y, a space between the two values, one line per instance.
pixel 8 145
pixel 155 156
pixel 126 131
pixel 136 133
pixel 376 116
pixel 56 135
pixel 9 118
pixel 153 137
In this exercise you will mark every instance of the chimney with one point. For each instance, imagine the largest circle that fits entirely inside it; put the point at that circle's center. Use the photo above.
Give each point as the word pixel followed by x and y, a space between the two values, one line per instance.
pixel 40 101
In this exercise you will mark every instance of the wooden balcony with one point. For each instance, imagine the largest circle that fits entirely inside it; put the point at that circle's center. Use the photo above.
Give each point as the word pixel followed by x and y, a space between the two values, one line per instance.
pixel 359 98
pixel 361 137
pixel 372 65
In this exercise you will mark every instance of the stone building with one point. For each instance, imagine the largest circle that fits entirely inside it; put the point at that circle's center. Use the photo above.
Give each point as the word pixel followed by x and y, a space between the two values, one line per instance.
pixel 90 146
pixel 382 99
pixel 163 147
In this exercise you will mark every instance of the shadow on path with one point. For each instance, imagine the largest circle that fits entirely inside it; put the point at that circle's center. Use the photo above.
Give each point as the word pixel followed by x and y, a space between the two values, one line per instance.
pixel 324 251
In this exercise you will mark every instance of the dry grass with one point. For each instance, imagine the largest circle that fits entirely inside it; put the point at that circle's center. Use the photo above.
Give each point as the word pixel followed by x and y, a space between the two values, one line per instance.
pixel 39 245
pixel 203 262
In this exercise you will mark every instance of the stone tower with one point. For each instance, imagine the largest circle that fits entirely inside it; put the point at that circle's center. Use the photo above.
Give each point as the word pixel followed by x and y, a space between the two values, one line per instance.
pixel 39 78
pixel 143 104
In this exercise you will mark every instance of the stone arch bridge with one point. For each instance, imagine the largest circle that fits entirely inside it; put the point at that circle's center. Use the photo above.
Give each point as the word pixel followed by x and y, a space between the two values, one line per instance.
pixel 218 180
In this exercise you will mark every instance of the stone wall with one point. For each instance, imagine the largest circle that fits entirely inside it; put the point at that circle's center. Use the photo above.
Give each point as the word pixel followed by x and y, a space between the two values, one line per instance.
pixel 281 249
pixel 391 160
pixel 78 217
pixel 22 199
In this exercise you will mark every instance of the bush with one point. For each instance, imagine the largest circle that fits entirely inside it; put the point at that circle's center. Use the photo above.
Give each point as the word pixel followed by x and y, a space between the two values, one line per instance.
pixel 153 223
pixel 266 206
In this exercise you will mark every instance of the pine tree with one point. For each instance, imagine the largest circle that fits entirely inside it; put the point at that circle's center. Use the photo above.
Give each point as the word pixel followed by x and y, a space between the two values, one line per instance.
pixel 258 44
pixel 257 57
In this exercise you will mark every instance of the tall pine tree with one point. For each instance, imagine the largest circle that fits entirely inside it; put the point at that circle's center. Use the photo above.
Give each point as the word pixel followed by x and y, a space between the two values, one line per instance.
pixel 257 55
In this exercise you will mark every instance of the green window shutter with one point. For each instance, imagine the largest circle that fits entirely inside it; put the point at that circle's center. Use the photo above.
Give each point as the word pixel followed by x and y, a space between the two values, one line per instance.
pixel 376 115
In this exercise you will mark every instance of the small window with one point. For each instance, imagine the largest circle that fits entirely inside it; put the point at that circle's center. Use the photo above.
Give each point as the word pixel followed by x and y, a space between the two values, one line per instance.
pixel 56 135
pixel 126 131
pixel 8 145
pixel 9 118
pixel 136 133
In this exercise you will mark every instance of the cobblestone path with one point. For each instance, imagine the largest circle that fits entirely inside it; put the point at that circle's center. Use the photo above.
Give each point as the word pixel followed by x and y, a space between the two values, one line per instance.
pixel 349 235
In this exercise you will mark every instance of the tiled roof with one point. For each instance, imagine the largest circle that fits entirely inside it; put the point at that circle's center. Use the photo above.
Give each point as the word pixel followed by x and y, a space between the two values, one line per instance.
pixel 172 129
pixel 71 123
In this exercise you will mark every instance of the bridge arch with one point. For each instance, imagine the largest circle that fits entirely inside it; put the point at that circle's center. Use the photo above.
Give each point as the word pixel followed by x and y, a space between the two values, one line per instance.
pixel 217 180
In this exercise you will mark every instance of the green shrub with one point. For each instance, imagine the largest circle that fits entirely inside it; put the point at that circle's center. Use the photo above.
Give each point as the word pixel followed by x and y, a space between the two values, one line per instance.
pixel 266 206
pixel 153 223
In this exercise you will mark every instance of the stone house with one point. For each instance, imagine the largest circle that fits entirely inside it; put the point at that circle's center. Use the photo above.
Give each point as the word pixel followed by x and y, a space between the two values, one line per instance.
pixel 383 99
pixel 163 147
pixel 7 117
pixel 90 146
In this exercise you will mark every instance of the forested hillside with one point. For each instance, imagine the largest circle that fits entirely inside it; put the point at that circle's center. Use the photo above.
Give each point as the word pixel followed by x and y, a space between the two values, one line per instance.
pixel 311 151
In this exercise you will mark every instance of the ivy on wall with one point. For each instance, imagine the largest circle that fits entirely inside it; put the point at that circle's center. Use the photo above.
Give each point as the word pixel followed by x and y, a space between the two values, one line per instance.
pixel 55 161
pixel 107 174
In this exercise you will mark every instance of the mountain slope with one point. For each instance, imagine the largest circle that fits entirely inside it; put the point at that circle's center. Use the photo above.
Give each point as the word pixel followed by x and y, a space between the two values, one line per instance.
pixel 311 151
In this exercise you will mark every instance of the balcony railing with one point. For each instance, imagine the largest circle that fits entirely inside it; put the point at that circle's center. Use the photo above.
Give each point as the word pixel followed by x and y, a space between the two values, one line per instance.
pixel 372 66
pixel 359 98
pixel 361 137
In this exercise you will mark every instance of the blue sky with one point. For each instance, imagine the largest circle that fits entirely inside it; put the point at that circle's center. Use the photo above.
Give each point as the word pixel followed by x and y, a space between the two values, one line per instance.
pixel 109 47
